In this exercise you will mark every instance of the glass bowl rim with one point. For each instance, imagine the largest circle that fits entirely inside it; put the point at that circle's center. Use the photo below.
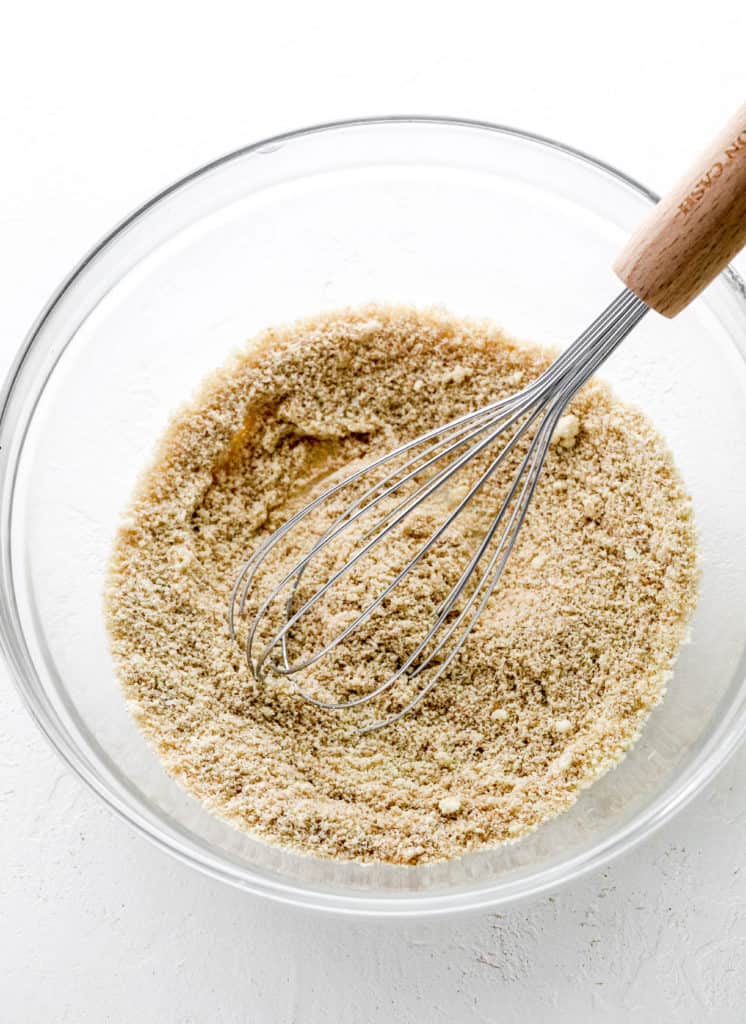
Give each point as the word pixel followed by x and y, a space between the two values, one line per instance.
pixel 717 750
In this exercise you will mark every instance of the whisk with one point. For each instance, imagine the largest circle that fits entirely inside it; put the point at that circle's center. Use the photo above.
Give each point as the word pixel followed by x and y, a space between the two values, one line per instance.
pixel 686 241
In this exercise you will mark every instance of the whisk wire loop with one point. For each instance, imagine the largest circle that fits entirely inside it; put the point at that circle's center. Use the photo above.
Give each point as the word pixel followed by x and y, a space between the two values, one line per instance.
pixel 437 455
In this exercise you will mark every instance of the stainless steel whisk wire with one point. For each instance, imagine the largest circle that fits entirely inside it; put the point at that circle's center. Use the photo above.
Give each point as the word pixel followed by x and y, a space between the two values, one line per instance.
pixel 543 401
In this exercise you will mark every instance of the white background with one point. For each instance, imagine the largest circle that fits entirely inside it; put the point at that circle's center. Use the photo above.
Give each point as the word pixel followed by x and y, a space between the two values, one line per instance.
pixel 100 106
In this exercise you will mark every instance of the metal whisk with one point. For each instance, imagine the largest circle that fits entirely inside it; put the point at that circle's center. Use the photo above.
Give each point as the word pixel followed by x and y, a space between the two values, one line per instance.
pixel 687 240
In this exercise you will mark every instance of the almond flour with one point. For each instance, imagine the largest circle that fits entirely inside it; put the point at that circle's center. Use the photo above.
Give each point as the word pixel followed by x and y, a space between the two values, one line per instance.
pixel 552 687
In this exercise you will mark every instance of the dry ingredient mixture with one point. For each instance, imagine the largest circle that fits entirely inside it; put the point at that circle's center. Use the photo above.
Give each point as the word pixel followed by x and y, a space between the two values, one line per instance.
pixel 550 690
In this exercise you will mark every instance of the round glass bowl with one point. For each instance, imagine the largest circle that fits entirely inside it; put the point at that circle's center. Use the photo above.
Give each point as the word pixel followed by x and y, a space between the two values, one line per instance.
pixel 483 220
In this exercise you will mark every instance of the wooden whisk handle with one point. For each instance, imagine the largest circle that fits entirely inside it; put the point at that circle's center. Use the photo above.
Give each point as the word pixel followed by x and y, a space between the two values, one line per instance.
pixel 694 231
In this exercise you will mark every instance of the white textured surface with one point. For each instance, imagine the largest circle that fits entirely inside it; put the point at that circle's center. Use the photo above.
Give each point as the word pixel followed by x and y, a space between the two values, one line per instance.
pixel 95 924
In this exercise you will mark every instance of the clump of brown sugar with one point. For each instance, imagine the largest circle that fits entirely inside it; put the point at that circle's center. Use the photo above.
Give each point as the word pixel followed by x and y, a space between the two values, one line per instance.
pixel 554 683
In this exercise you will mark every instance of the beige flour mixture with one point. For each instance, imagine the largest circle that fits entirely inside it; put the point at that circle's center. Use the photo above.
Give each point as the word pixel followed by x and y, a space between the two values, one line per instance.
pixel 551 688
